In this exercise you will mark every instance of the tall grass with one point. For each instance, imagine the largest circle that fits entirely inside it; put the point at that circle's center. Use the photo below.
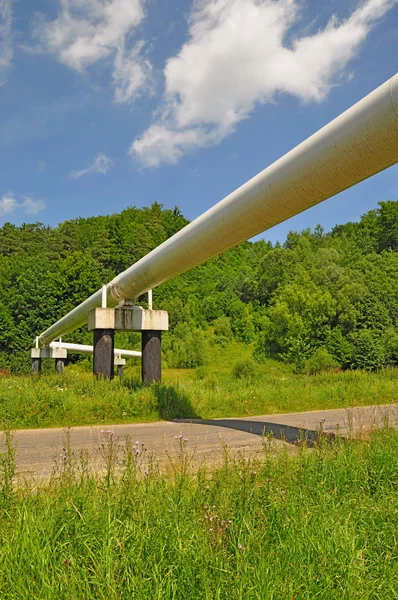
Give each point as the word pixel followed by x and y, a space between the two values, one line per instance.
pixel 209 392
pixel 319 524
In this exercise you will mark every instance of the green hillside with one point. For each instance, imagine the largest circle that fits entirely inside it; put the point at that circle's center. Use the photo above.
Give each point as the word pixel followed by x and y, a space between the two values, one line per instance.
pixel 319 301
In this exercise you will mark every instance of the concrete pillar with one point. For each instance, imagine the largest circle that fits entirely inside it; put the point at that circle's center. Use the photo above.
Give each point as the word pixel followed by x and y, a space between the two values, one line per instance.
pixel 151 366
pixel 59 365
pixel 102 322
pixel 36 366
pixel 120 364
pixel 103 354
pixel 57 354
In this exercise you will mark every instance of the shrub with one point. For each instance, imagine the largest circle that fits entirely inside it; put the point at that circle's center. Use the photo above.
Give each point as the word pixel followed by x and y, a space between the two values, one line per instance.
pixel 339 347
pixel 320 361
pixel 369 353
pixel 244 369
pixel 222 331
pixel 186 348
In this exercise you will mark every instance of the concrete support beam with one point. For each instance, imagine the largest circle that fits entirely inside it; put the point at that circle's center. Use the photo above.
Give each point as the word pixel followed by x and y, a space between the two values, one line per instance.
pixel 60 366
pixel 102 322
pixel 151 347
pixel 103 355
pixel 120 363
pixel 36 366
pixel 59 355
pixel 136 318
pixel 127 317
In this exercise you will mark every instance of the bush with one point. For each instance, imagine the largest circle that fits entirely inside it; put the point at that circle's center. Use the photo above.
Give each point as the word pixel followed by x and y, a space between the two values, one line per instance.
pixel 297 352
pixel 186 348
pixel 222 331
pixel 244 369
pixel 320 361
pixel 339 347
pixel 369 353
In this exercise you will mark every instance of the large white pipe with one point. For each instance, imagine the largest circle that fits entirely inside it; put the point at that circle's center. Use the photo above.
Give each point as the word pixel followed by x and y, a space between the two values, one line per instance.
pixel 85 349
pixel 359 143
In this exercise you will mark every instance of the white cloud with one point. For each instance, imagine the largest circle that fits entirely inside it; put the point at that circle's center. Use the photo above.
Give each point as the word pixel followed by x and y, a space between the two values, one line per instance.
pixel 31 206
pixel 6 50
pixel 9 204
pixel 132 73
pixel 237 56
pixel 86 31
pixel 101 165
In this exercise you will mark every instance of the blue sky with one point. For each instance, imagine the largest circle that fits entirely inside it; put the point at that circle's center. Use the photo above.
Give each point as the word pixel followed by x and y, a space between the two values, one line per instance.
pixel 106 104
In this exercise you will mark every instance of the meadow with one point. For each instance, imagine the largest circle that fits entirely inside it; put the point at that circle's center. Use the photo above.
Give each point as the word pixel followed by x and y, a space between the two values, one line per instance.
pixel 320 523
pixel 220 389
pixel 206 392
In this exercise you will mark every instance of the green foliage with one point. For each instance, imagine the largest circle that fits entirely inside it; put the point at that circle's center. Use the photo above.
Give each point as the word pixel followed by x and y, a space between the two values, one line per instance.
pixel 320 361
pixel 244 369
pixel 222 330
pixel 339 347
pixel 317 290
pixel 185 348
pixel 369 352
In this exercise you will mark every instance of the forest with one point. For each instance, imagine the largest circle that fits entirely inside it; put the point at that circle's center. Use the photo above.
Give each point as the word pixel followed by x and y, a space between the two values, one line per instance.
pixel 319 301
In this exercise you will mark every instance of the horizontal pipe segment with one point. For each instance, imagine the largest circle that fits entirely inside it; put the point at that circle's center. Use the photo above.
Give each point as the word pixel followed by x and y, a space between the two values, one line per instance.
pixel 86 349
pixel 356 145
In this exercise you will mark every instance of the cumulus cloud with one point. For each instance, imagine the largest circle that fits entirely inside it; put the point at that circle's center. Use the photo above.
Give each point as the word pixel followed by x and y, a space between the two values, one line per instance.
pixel 9 204
pixel 86 31
pixel 100 165
pixel 241 53
pixel 6 50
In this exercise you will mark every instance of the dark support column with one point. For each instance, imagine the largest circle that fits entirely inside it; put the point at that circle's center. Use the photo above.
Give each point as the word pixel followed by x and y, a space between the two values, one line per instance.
pixel 151 365
pixel 36 365
pixel 59 366
pixel 104 346
pixel 120 371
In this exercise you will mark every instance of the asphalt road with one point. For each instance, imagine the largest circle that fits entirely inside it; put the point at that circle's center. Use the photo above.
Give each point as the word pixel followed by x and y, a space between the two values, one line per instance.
pixel 38 448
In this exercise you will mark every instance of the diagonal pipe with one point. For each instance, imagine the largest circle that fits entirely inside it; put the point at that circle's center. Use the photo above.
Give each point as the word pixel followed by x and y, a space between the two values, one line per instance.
pixel 356 145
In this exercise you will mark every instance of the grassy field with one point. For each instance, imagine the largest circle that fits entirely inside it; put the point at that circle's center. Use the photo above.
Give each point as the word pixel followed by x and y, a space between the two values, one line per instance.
pixel 207 392
pixel 318 524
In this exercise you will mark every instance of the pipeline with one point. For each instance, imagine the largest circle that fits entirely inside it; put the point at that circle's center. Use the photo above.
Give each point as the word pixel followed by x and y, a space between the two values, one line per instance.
pixel 359 143
pixel 85 349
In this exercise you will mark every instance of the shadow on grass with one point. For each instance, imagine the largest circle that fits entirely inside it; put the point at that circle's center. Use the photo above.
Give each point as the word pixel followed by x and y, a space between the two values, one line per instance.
pixel 287 433
pixel 172 403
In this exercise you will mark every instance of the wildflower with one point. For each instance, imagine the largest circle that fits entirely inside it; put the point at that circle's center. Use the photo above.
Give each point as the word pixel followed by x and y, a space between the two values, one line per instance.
pixel 186 440
pixel 240 547
pixel 253 473
pixel 63 456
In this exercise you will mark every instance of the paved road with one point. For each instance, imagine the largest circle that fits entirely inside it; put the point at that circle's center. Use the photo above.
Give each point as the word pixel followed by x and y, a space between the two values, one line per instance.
pixel 37 449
